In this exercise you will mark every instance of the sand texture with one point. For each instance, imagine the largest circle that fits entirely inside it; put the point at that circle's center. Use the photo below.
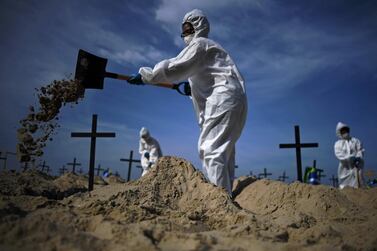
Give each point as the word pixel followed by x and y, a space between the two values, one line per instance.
pixel 173 207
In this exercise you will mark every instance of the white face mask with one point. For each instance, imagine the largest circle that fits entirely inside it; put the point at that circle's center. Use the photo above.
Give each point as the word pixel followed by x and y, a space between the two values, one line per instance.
pixel 188 39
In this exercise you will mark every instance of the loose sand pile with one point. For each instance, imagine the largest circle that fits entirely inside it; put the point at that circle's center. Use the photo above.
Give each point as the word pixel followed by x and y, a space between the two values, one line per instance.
pixel 174 208
pixel 39 125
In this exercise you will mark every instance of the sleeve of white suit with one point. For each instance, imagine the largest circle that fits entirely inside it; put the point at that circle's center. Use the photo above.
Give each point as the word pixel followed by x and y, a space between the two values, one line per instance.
pixel 359 149
pixel 342 155
pixel 141 147
pixel 175 69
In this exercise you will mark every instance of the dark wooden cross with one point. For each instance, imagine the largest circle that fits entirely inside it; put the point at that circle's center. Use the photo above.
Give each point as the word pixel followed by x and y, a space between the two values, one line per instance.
pixel 93 135
pixel 298 145
pixel 319 174
pixel 62 170
pixel 130 161
pixel 283 177
pixel 265 173
pixel 43 166
pixel 98 169
pixel 74 164
pixel 334 181
pixel 6 158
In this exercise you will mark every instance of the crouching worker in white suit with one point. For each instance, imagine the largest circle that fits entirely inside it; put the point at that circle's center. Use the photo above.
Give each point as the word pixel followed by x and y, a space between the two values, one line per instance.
pixel 218 95
pixel 350 153
pixel 150 150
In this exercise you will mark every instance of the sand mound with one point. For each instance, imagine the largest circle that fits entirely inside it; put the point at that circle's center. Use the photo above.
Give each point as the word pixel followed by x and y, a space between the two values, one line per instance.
pixel 314 212
pixel 36 183
pixel 173 207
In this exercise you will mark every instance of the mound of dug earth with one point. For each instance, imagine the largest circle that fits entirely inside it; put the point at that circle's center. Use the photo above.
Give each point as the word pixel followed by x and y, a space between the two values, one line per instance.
pixel 315 214
pixel 173 207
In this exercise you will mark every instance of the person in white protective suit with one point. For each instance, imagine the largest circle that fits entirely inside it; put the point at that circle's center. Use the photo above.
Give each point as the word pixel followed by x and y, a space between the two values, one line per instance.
pixel 218 95
pixel 350 154
pixel 149 149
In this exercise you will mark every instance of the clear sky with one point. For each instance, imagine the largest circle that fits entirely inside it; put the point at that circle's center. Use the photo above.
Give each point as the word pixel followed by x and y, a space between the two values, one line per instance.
pixel 308 63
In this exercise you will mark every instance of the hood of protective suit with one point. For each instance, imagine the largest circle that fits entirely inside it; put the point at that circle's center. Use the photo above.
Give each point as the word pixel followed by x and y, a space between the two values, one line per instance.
pixel 199 22
pixel 339 126
pixel 144 133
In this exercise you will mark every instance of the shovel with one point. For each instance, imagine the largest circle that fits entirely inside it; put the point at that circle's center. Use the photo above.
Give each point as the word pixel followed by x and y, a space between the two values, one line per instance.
pixel 91 72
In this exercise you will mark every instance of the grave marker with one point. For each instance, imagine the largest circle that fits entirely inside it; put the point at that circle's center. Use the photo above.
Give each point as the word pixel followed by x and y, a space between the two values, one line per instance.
pixel 334 181
pixel 130 161
pixel 43 166
pixel 283 177
pixel 6 158
pixel 298 145
pixel 62 170
pixel 265 174
pixel 74 164
pixel 93 135
pixel 98 169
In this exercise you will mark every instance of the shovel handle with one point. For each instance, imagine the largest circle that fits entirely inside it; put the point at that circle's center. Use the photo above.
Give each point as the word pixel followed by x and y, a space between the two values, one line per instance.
pixel 184 92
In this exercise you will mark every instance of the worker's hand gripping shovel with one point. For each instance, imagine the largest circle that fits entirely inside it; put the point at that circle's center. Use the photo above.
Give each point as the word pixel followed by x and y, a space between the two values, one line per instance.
pixel 91 72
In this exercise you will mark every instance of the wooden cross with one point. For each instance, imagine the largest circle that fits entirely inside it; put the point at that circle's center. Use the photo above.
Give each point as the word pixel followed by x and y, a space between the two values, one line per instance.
pixel 265 174
pixel 283 177
pixel 319 174
pixel 62 170
pixel 130 161
pixel 298 145
pixel 93 135
pixel 74 164
pixel 98 169
pixel 6 158
pixel 43 166
pixel 334 181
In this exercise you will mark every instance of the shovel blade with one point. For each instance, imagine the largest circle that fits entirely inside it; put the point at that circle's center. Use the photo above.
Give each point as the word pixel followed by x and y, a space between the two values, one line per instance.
pixel 90 70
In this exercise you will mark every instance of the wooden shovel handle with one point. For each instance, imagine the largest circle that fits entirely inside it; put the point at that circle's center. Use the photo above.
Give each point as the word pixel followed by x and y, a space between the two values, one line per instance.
pixel 126 77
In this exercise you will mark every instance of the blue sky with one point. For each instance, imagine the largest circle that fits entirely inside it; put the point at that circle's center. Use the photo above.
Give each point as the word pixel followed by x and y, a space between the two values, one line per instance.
pixel 307 63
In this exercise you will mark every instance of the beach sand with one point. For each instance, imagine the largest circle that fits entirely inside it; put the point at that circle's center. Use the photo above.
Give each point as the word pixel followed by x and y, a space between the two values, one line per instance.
pixel 173 207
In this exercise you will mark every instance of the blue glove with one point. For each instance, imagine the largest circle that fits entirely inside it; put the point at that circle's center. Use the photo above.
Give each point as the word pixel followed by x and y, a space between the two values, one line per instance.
pixel 357 162
pixel 136 80
pixel 146 155
pixel 186 88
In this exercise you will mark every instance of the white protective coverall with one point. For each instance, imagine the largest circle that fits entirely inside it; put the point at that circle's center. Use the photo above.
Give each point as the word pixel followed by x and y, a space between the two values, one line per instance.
pixel 150 150
pixel 346 150
pixel 218 95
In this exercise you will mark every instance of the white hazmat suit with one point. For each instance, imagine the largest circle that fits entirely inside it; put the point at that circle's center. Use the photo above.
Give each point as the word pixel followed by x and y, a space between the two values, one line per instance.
pixel 347 150
pixel 218 95
pixel 150 150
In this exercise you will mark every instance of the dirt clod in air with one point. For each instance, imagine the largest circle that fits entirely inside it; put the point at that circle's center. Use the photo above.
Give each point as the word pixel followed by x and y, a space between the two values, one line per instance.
pixel 41 122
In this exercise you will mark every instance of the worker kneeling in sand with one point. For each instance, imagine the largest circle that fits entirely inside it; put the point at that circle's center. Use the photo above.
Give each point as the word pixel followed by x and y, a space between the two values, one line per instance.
pixel 217 91
pixel 150 150
pixel 350 153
